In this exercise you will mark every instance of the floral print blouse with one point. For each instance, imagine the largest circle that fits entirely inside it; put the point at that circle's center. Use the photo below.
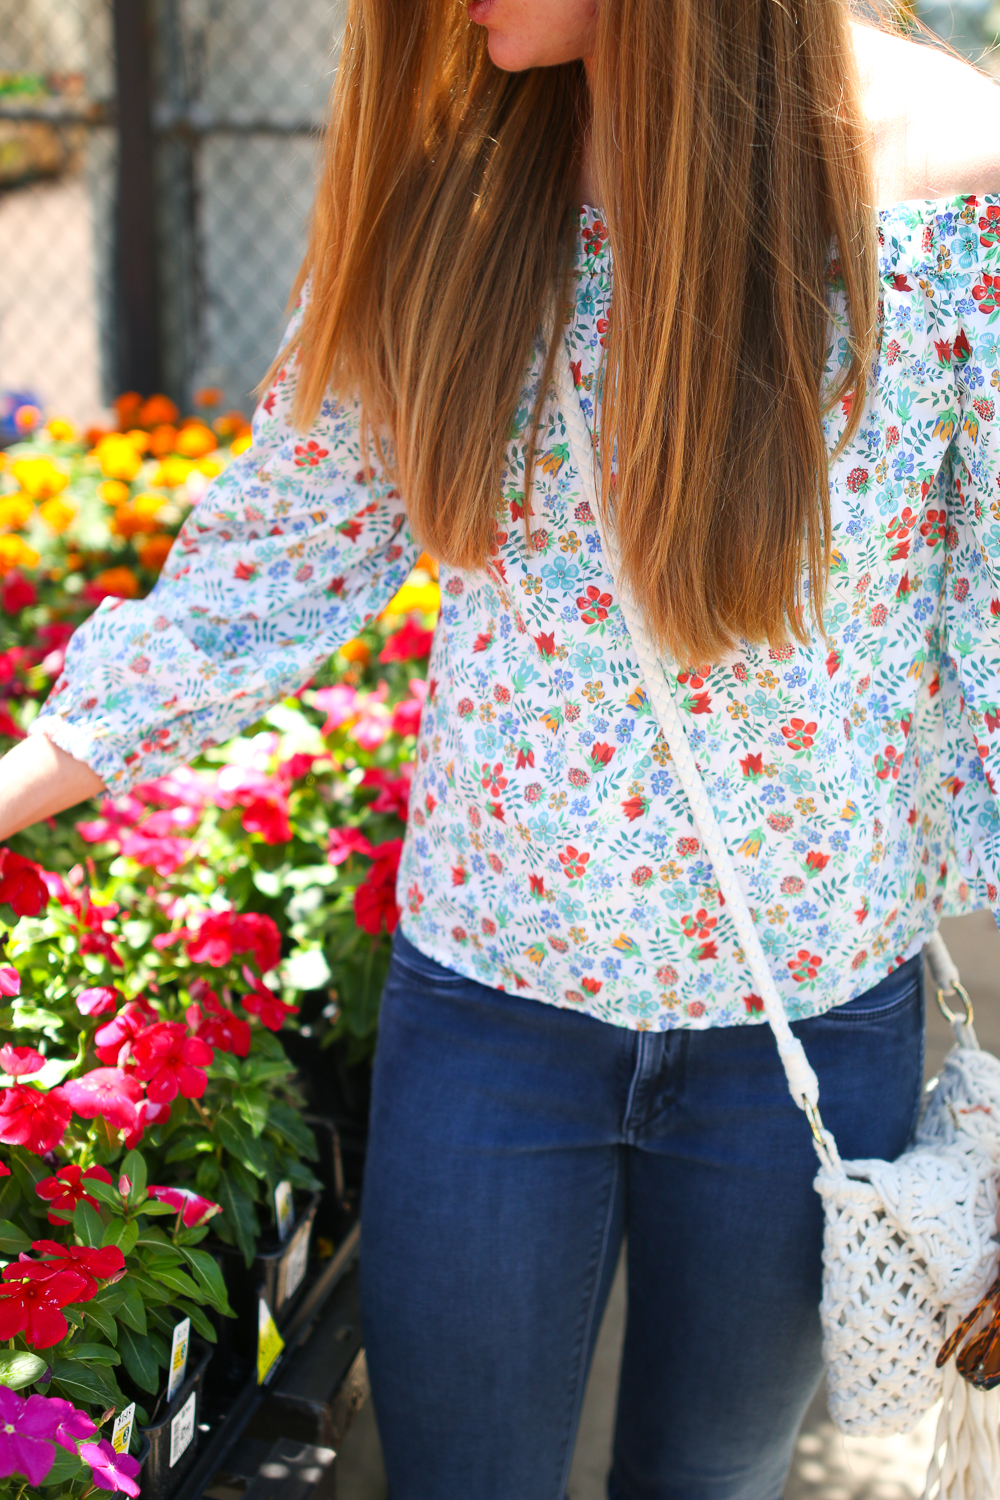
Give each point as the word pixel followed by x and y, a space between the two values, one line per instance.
pixel 550 850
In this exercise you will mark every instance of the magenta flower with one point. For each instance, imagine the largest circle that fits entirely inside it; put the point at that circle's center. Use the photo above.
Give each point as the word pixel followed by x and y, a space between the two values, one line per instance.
pixel 108 1092
pixel 27 1427
pixel 171 1062
pixel 16 1061
pixel 10 981
pixel 101 1001
pixel 111 1470
pixel 192 1208
pixel 70 1424
pixel 344 842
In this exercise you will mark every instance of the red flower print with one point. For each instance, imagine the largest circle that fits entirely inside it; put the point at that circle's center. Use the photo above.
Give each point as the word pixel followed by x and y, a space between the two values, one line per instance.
pixel 536 884
pixel 833 662
pixel 574 862
pixel 989 226
pixel 804 965
pixel 857 480
pixel 699 925
pixel 933 527
pixel 546 643
pixel 900 283
pixel 593 605
pixel 699 703
pixel 33 1119
pixel 686 847
pixel 245 571
pixel 635 807
pixel 799 734
pixel 815 861
pixel 601 754
pixel 493 781
pixel 484 641
pixel 641 875
pixel 752 766
pixel 308 455
pixel 753 1003
pixel 66 1189
pixel 591 986
pixel 459 875
pixel 888 763
pixel 943 347
pixel 987 293
pixel 892 351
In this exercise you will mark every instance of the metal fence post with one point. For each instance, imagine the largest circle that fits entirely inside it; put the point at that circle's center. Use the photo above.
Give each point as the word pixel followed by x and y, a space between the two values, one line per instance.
pixel 139 348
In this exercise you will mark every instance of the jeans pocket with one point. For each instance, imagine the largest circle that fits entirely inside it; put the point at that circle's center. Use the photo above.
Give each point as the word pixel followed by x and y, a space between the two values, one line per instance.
pixel 901 989
pixel 408 960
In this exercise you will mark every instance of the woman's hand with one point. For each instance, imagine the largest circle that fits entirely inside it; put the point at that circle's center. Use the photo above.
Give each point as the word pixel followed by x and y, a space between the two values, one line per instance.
pixel 38 779
pixel 935 120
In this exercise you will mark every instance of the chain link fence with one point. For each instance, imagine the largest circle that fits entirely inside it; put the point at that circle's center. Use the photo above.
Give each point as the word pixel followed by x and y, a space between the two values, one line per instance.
pixel 220 105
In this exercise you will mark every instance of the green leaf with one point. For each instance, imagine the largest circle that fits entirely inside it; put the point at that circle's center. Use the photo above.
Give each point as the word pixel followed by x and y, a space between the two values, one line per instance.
pixel 252 1104
pixel 237 1138
pixel 175 1281
pixel 266 1069
pixel 207 1174
pixel 140 1360
pixel 100 1354
pixel 123 1233
pixel 238 1212
pixel 110 1298
pixel 200 1322
pixel 19 1367
pixel 210 1279
pixel 300 1176
pixel 67 1467
pixel 160 1252
pixel 79 1382
pixel 104 1192
pixel 161 1350
pixel 153 1209
pixel 101 1319
pixel 188 1146
pixel 10 1195
pixel 88 1224
pixel 149 1235
pixel 12 1239
pixel 134 1168
pixel 224 1066
pixel 148 1289
pixel 131 1313
pixel 289 1125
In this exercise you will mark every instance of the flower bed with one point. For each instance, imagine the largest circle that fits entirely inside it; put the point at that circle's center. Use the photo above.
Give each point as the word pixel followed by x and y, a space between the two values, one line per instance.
pixel 158 945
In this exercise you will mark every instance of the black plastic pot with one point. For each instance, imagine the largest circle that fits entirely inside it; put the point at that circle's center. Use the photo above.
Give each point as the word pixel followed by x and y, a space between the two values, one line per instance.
pixel 173 1439
pixel 277 1274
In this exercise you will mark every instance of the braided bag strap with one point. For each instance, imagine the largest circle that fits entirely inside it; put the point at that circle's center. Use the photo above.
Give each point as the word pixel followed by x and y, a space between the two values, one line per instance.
pixel 802 1081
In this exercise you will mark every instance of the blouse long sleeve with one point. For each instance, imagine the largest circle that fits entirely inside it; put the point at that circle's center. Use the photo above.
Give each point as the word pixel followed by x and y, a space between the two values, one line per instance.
pixel 970 531
pixel 289 552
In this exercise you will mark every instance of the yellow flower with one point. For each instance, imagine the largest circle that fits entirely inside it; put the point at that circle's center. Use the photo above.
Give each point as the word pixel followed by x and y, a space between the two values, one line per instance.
pixel 426 597
pixel 172 472
pixel 241 444
pixel 56 514
pixel 195 440
pixel 61 431
pixel 210 466
pixel 138 439
pixel 39 477
pixel 113 492
pixel 15 510
pixel 15 553
pixel 118 458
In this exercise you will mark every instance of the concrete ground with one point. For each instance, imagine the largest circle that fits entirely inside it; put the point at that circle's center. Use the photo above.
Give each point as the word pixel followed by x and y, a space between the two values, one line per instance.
pixel 827 1466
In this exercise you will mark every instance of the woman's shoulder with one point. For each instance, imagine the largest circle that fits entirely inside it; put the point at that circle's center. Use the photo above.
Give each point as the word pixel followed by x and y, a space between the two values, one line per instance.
pixel 934 119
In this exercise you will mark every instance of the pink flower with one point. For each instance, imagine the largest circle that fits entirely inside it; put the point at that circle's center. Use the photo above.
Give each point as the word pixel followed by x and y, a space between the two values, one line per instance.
pixel 406 715
pixel 146 1113
pixel 115 1035
pixel 19 1061
pixel 374 720
pixel 65 1190
pixel 111 1470
pixel 164 855
pixel 394 793
pixel 192 1208
pixel 344 842
pixel 10 981
pixel 265 1004
pixel 213 1023
pixel 28 1425
pixel 339 703
pixel 182 788
pixel 171 1062
pixel 409 643
pixel 34 1119
pixel 70 1424
pixel 108 1093
pixel 100 1001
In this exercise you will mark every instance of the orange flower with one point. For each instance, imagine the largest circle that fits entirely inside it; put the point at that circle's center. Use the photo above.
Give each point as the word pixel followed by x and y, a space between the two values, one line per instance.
pixel 153 553
pixel 139 516
pixel 61 431
pixel 356 651
pixel 15 553
pixel 39 477
pixel 113 492
pixel 27 418
pixel 230 424
pixel 195 440
pixel 209 395
pixel 162 440
pixel 120 583
pixel 241 443
pixel 15 510
pixel 157 410
pixel 127 406
pixel 56 514
pixel 172 472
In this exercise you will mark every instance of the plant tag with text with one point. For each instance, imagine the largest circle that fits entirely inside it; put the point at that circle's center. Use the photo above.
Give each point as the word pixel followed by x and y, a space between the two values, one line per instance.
pixel 121 1434
pixel 284 1209
pixel 178 1357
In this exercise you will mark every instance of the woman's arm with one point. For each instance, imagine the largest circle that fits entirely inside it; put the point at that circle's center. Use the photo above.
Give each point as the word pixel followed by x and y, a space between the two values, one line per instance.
pixel 935 120
pixel 37 780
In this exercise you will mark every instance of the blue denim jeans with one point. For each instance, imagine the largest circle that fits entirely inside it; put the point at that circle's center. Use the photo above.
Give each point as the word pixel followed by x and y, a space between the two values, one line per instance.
pixel 514 1146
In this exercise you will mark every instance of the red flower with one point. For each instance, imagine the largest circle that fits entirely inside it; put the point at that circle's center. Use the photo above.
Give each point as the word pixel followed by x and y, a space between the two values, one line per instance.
pixel 17 592
pixel 536 884
pixel 375 898
pixel 33 1119
pixel 635 807
pixel 546 643
pixel 192 1208
pixel 171 1062
pixel 815 861
pixel 459 875
pixel 213 1024
pixel 600 754
pixel 593 605
pixel 32 1307
pixel 17 1062
pixel 752 765
pixel 699 703
pixel 573 862
pixel 591 986
pixel 101 1001
pixel 245 571
pixel 221 934
pixel 104 1264
pixel 409 643
pixel 394 791
pixel 265 1004
pixel 21 885
pixel 65 1190
pixel 308 455
pixel 344 842
pixel 106 1093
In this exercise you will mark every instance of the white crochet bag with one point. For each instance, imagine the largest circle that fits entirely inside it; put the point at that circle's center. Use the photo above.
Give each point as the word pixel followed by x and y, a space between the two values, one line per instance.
pixel 910 1246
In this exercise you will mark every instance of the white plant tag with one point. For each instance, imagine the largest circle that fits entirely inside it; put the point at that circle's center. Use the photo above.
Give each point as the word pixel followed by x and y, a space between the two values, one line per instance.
pixel 293 1263
pixel 269 1342
pixel 182 1428
pixel 284 1209
pixel 121 1434
pixel 178 1358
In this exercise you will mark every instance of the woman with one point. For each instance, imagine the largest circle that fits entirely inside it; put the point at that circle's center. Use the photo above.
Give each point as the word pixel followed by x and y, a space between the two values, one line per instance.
pixel 798 441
